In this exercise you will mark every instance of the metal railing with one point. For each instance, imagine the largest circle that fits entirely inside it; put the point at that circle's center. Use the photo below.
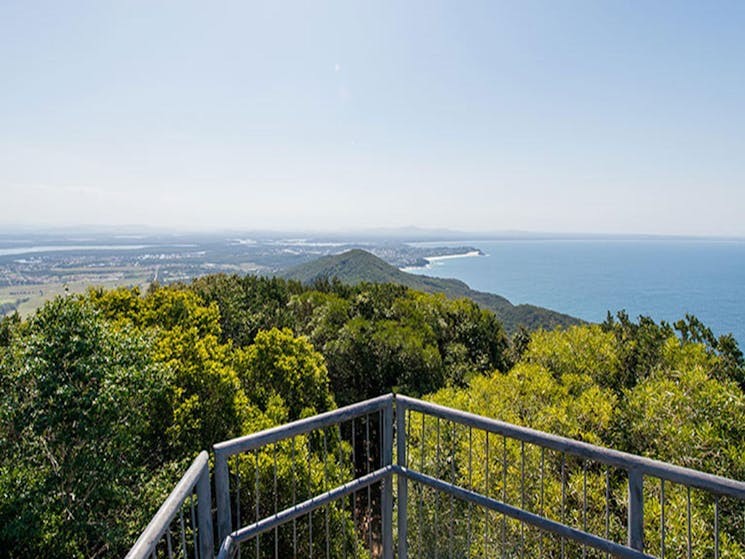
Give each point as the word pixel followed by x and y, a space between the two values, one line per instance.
pixel 338 454
pixel 194 533
pixel 465 486
pixel 513 449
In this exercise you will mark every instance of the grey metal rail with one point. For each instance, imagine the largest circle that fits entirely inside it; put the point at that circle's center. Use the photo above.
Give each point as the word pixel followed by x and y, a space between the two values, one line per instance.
pixel 301 509
pixel 197 476
pixel 251 442
pixel 382 411
pixel 521 515
pixel 301 426
pixel 637 467
pixel 630 462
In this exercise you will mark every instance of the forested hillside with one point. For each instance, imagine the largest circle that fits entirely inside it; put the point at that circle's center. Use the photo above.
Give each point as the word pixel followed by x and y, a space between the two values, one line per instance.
pixel 104 398
pixel 358 266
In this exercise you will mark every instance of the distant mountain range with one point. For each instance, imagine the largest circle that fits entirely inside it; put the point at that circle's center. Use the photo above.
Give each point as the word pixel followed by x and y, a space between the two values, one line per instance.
pixel 356 266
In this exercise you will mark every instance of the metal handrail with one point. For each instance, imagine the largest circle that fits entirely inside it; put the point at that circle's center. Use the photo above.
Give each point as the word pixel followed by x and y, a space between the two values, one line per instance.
pixel 301 426
pixel 238 445
pixel 522 515
pixel 646 466
pixel 301 509
pixel 197 476
pixel 636 467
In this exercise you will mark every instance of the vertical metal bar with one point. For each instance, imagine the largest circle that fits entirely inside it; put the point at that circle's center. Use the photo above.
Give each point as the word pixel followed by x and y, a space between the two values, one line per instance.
pixel 380 443
pixel 354 493
pixel 543 466
pixel 504 495
pixel 636 510
pixel 194 529
pixel 310 494
pixel 222 490
pixel 276 529
pixel 451 529
pixel 486 492
pixel 607 504
pixel 563 499
pixel 662 519
pixel 387 458
pixel 294 499
pixel 408 434
pixel 584 503
pixel 470 485
pixel 435 530
pixel 421 493
pixel 522 496
pixel 238 495
pixel 170 545
pixel 183 531
pixel 340 481
pixel 353 498
pixel 688 514
pixel 402 441
pixel 716 526
pixel 204 511
pixel 340 469
pixel 326 488
pixel 383 500
pixel 256 489
pixel 368 512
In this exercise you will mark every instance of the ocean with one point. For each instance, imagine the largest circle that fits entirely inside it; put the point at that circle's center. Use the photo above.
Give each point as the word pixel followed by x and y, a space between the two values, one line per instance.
pixel 663 279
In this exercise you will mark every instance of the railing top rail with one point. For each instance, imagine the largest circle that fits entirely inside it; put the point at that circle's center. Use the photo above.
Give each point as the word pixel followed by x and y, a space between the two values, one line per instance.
pixel 149 538
pixel 655 468
pixel 302 426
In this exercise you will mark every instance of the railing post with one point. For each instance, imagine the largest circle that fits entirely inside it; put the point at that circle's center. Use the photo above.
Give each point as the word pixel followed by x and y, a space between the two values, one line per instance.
pixel 636 509
pixel 204 513
pixel 388 481
pixel 222 496
pixel 403 482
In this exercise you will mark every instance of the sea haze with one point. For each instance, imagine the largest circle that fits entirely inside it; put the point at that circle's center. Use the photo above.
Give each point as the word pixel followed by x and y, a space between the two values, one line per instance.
pixel 664 279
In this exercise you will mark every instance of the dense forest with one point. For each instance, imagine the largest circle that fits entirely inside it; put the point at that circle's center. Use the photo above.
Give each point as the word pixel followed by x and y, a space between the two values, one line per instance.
pixel 106 397
pixel 359 266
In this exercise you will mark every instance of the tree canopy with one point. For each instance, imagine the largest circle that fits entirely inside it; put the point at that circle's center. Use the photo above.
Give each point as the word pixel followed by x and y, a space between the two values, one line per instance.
pixel 105 397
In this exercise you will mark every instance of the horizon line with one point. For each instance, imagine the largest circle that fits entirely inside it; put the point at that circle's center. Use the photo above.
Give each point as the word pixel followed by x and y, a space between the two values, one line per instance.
pixel 412 233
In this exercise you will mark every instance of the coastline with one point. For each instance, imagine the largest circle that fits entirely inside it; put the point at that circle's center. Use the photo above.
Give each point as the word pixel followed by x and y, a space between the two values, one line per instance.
pixel 431 259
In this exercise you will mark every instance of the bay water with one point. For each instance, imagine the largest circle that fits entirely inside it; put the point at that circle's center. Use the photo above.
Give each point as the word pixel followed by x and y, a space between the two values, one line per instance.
pixel 663 279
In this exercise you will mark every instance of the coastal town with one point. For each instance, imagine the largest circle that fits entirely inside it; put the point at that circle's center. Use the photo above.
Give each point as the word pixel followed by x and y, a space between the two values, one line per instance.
pixel 34 269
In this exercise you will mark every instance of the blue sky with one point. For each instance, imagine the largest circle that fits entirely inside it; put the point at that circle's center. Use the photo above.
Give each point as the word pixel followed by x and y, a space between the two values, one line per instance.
pixel 608 117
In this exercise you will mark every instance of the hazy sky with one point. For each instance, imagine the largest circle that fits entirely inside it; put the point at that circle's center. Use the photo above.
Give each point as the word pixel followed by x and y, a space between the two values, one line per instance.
pixel 622 116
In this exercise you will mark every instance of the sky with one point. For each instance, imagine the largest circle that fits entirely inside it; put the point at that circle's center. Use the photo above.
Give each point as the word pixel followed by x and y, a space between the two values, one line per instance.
pixel 597 117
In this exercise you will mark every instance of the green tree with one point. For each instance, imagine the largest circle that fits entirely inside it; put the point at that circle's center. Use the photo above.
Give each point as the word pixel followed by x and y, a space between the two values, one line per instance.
pixel 76 405
pixel 369 358
pixel 279 364
pixel 579 350
pixel 248 304
pixel 206 402
pixel 730 364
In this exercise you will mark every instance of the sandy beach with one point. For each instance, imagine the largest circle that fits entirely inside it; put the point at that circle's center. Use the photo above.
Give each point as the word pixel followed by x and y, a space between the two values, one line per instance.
pixel 432 259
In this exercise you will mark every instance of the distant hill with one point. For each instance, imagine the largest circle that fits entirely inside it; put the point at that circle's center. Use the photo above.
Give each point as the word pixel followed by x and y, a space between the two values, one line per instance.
pixel 356 266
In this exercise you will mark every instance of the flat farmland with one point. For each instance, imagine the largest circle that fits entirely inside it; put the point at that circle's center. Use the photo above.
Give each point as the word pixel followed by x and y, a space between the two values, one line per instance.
pixel 25 299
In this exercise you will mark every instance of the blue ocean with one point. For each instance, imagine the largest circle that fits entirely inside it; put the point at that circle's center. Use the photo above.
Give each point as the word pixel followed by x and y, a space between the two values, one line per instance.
pixel 663 279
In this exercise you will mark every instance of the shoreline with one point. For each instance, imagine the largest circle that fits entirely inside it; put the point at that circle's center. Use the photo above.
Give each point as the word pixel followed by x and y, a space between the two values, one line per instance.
pixel 431 259
pixel 468 254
